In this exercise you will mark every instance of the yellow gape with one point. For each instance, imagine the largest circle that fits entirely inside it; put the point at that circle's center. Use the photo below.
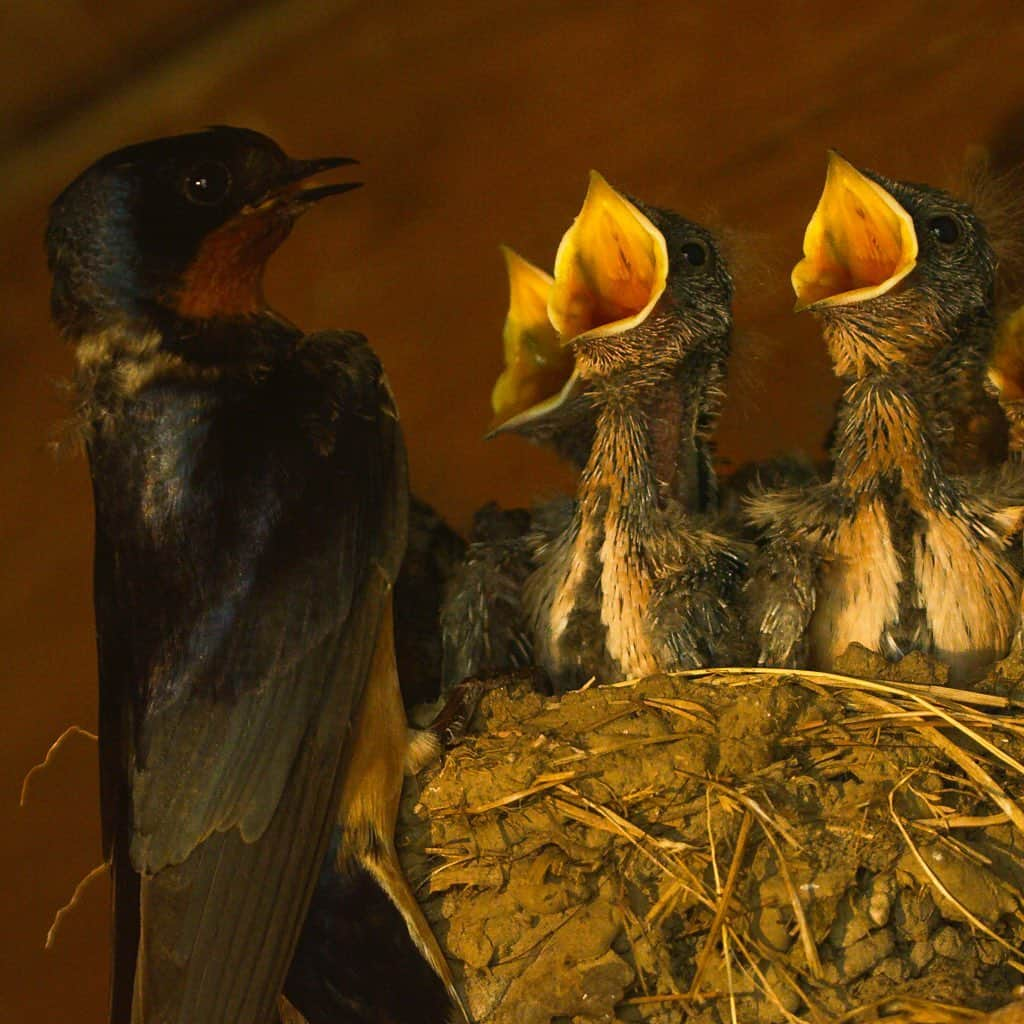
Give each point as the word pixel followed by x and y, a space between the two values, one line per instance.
pixel 536 365
pixel 859 243
pixel 611 267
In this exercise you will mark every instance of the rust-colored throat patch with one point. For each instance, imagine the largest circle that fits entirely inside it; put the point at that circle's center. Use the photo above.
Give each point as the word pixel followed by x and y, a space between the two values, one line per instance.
pixel 225 278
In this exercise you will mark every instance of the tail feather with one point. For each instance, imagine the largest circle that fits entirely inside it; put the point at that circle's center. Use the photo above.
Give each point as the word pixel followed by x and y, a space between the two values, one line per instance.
pixel 125 939
pixel 382 863
pixel 355 960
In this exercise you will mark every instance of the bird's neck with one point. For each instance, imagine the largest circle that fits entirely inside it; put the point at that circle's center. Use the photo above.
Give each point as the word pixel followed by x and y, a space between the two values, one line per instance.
pixel 646 427
pixel 882 440
pixel 650 443
pixel 905 422
pixel 914 401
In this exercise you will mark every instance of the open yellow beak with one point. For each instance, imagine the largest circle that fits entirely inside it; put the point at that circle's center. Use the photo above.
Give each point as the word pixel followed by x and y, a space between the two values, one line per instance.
pixel 1006 367
pixel 536 366
pixel 611 267
pixel 859 243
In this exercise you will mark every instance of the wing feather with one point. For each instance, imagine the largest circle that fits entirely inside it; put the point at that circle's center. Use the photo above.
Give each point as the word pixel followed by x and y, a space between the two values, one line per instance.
pixel 246 546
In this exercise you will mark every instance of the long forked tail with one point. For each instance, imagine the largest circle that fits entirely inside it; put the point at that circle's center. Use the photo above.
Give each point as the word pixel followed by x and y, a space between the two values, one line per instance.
pixel 382 863
pixel 368 808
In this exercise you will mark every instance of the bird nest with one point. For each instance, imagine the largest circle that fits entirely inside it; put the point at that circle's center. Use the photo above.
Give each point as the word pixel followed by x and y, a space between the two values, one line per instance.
pixel 731 845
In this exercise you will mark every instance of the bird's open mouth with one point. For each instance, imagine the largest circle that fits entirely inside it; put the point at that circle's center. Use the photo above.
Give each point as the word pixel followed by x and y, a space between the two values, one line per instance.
pixel 859 243
pixel 611 267
pixel 610 271
pixel 225 277
pixel 289 193
pixel 538 374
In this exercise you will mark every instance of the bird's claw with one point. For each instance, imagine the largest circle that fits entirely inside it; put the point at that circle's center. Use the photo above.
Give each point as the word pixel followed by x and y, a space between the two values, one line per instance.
pixel 453 720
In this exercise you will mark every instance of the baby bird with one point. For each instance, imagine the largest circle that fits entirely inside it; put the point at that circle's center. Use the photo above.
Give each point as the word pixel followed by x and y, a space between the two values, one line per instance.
pixel 1006 375
pixel 901 550
pixel 629 578
pixel 433 555
pixel 540 396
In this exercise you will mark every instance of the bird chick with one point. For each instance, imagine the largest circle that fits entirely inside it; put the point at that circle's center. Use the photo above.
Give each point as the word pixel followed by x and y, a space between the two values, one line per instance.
pixel 541 397
pixel 631 578
pixel 899 550
pixel 539 394
pixel 250 494
pixel 433 556
pixel 1006 375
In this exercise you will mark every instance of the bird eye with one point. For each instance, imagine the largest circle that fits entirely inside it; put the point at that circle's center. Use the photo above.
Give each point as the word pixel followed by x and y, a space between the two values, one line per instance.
pixel 694 254
pixel 208 183
pixel 945 229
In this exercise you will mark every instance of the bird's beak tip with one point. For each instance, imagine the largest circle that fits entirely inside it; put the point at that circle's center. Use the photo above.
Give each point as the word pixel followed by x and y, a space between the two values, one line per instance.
pixel 302 170
pixel 314 195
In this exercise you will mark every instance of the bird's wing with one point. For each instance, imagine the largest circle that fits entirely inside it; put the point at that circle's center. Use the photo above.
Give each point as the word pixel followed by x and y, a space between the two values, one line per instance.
pixel 240 584
pixel 693 611
pixel 796 524
pixel 482 619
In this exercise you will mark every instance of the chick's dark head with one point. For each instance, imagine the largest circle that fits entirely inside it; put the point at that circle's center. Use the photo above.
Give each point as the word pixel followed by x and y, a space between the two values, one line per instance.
pixel 638 288
pixel 895 270
pixel 183 224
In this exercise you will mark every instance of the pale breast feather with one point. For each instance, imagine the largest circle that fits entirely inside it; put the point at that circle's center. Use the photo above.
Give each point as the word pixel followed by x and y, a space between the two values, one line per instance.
pixel 859 588
pixel 969 589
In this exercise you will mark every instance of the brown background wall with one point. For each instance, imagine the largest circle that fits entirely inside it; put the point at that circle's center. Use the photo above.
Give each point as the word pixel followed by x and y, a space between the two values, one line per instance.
pixel 476 124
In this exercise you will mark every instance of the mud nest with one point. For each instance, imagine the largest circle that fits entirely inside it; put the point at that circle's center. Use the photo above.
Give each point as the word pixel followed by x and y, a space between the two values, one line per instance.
pixel 734 845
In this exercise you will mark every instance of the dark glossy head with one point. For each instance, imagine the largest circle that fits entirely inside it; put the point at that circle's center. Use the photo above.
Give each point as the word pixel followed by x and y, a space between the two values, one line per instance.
pixel 895 270
pixel 183 224
pixel 637 287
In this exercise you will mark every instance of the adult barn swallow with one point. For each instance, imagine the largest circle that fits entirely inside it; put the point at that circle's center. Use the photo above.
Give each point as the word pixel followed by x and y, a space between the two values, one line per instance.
pixel 250 497
pixel 901 549
pixel 635 579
